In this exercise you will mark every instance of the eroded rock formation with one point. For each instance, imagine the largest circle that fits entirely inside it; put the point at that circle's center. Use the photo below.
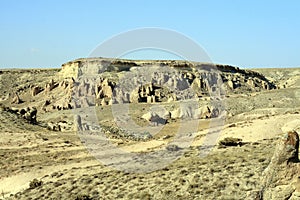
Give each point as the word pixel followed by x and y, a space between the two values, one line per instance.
pixel 35 90
pixel 158 81
pixel 281 179
pixel 16 99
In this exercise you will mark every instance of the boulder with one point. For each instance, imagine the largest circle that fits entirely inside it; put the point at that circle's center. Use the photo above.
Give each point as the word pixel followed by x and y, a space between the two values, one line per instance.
pixel 191 112
pixel 157 117
pixel 59 126
pixel 186 112
pixel 53 127
pixel 281 179
pixel 148 116
pixel 13 110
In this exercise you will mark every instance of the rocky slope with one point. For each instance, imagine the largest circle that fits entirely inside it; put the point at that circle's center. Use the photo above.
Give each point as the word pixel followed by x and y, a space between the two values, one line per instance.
pixel 177 75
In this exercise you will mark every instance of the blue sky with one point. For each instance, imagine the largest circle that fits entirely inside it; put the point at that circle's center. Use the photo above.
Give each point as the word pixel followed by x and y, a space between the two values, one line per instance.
pixel 242 33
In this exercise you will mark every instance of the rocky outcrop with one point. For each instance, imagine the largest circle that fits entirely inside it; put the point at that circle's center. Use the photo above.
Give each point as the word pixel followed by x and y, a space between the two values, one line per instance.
pixel 104 91
pixel 281 179
pixel 158 81
pixel 188 111
pixel 50 86
pixel 157 117
pixel 35 90
pixel 29 114
pixel 62 104
pixel 153 82
pixel 60 126
pixel 63 96
pixel 77 123
pixel 16 99
pixel 153 85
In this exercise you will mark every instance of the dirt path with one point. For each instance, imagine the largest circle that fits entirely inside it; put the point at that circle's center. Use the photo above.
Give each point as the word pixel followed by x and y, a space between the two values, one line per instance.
pixel 19 182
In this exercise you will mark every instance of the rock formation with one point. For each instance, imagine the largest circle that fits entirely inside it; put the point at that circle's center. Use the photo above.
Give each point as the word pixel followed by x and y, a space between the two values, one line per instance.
pixel 59 126
pixel 16 99
pixel 163 81
pixel 51 85
pixel 189 111
pixel 29 114
pixel 157 117
pixel 78 126
pixel 281 179
pixel 35 90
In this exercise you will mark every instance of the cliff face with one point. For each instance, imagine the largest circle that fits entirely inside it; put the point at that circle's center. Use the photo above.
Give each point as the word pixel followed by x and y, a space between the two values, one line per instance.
pixel 95 66
pixel 156 80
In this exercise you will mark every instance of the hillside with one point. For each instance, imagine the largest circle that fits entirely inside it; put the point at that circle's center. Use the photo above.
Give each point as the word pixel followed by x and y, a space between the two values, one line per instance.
pixel 102 128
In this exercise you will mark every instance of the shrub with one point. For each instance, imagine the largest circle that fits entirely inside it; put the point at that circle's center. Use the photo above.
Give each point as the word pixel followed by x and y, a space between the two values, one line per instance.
pixel 35 183
pixel 83 197
pixel 230 141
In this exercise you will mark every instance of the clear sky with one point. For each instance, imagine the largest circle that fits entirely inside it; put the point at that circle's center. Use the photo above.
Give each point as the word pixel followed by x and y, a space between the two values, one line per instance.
pixel 257 33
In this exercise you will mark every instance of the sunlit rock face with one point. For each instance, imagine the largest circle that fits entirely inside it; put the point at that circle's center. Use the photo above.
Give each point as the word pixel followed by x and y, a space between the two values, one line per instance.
pixel 149 81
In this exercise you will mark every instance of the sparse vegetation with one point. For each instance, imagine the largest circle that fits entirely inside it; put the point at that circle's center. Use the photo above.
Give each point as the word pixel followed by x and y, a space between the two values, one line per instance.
pixel 83 197
pixel 230 141
pixel 35 183
pixel 116 132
